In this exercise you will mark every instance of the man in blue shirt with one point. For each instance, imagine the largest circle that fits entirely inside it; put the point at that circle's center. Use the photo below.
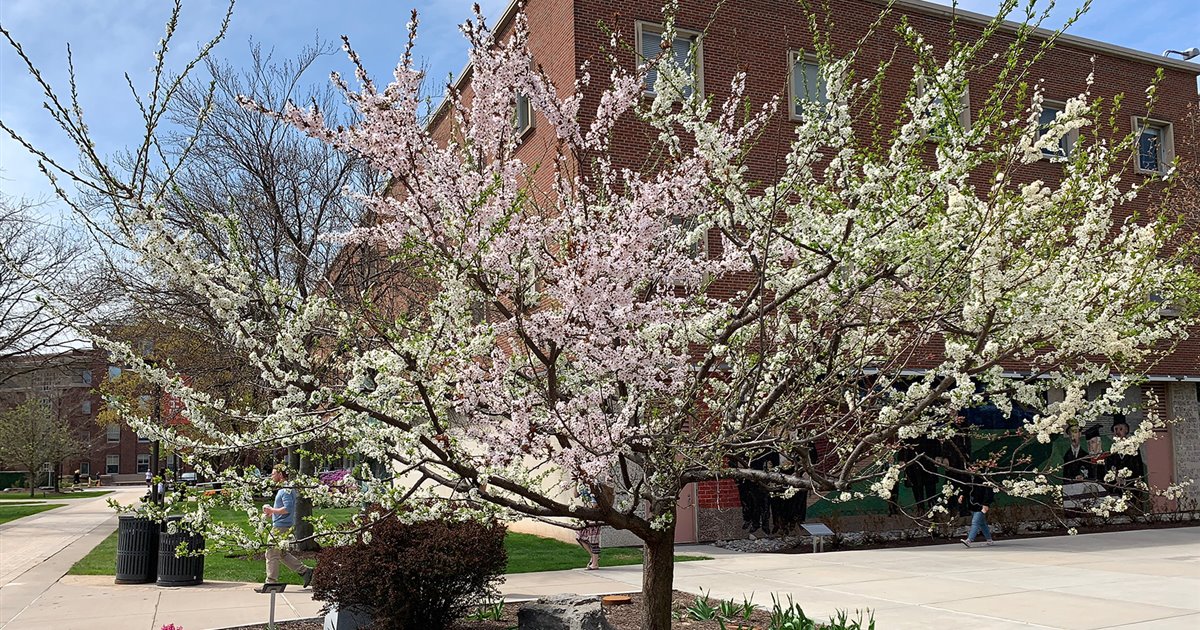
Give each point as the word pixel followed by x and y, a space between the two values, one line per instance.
pixel 283 519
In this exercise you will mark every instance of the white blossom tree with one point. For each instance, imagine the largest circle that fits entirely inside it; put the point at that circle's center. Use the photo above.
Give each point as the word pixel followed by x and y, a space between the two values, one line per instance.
pixel 573 334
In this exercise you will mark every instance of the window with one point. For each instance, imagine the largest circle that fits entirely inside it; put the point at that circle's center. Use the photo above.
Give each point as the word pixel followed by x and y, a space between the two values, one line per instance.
pixel 936 105
pixel 143 462
pixel 523 115
pixel 114 371
pixel 85 377
pixel 1050 111
pixel 85 407
pixel 1155 147
pixel 685 50
pixel 806 83
pixel 85 468
pixel 113 433
pixel 142 439
pixel 112 464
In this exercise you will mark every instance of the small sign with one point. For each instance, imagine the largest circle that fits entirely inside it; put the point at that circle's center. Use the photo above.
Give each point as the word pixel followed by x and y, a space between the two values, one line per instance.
pixel 271 587
pixel 817 529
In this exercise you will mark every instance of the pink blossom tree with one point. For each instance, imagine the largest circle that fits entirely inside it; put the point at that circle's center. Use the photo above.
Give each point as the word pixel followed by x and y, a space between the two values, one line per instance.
pixel 573 333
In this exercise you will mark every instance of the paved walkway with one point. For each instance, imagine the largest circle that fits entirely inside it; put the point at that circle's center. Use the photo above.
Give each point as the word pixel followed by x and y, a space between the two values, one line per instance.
pixel 1130 580
pixel 1148 579
pixel 37 550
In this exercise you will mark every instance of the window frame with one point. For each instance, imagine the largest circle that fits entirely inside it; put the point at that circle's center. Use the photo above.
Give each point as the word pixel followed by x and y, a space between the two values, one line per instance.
pixel 794 57
pixel 108 433
pixel 85 407
pixel 1069 139
pixel 112 464
pixel 140 467
pixel 85 467
pixel 641 27
pixel 1166 149
pixel 521 101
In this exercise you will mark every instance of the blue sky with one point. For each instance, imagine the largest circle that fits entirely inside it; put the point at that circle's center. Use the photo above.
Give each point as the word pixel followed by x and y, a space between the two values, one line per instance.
pixel 109 38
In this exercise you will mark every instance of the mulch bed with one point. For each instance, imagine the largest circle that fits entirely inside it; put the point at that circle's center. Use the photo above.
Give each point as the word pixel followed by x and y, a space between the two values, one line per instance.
pixel 626 617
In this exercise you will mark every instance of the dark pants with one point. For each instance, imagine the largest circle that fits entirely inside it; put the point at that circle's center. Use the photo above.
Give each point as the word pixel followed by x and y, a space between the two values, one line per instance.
pixel 756 506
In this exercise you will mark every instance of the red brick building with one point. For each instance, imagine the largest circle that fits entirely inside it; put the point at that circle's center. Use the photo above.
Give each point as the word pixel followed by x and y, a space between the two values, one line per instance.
pixel 68 382
pixel 769 39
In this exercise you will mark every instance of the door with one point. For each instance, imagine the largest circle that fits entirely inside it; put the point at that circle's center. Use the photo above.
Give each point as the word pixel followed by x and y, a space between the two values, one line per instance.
pixel 685 516
pixel 1160 466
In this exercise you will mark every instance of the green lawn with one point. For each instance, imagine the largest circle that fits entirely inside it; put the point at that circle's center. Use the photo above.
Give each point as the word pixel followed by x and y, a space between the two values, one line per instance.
pixel 24 496
pixel 14 512
pixel 526 553
pixel 217 566
pixel 103 561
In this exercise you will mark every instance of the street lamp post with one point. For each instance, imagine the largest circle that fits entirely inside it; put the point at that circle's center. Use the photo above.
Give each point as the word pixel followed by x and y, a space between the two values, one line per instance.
pixel 155 495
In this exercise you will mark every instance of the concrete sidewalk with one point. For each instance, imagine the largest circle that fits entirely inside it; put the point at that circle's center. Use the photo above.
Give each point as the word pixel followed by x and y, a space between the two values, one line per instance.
pixel 1144 580
pixel 37 550
pixel 1147 579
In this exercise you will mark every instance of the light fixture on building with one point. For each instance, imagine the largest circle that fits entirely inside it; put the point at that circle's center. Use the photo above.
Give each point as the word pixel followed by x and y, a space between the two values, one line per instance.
pixel 1186 54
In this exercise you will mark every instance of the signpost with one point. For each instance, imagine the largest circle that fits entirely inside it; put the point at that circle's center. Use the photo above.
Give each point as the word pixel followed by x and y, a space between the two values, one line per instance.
pixel 273 589
pixel 819 532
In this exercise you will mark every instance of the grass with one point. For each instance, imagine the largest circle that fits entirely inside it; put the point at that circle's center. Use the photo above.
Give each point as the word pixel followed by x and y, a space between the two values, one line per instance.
pixel 38 496
pixel 14 512
pixel 526 553
pixel 229 567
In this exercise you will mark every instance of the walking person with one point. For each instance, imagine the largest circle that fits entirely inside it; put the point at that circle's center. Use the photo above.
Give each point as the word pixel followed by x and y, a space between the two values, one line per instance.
pixel 978 500
pixel 588 536
pixel 283 519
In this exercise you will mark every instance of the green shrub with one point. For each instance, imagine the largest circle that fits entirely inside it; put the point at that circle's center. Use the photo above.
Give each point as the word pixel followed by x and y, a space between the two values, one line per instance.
pixel 414 576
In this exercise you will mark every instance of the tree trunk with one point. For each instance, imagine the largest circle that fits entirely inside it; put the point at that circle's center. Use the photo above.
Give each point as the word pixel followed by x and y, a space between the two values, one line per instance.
pixel 304 510
pixel 658 577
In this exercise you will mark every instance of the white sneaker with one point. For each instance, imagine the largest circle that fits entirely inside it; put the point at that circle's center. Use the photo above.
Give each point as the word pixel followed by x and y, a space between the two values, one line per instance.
pixel 990 543
pixel 966 543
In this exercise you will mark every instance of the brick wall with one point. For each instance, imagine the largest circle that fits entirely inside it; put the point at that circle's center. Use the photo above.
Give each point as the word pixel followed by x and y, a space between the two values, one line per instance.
pixel 717 494
pixel 758 35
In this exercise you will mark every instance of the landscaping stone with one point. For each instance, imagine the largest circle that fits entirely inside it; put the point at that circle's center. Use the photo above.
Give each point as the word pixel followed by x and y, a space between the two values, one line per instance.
pixel 563 612
pixel 346 619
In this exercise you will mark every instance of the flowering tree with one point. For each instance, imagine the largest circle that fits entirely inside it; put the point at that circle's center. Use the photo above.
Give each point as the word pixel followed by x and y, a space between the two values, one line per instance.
pixel 35 433
pixel 572 334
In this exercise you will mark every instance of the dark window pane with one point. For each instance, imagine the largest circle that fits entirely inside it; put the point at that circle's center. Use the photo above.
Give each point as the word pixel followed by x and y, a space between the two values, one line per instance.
pixel 1044 122
pixel 807 84
pixel 1149 147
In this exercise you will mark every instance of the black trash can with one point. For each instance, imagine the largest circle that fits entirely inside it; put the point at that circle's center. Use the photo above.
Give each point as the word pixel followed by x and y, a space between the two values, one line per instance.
pixel 184 571
pixel 137 549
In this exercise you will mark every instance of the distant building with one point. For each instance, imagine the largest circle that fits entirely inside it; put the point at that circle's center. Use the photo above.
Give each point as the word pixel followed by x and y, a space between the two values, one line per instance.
pixel 67 382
